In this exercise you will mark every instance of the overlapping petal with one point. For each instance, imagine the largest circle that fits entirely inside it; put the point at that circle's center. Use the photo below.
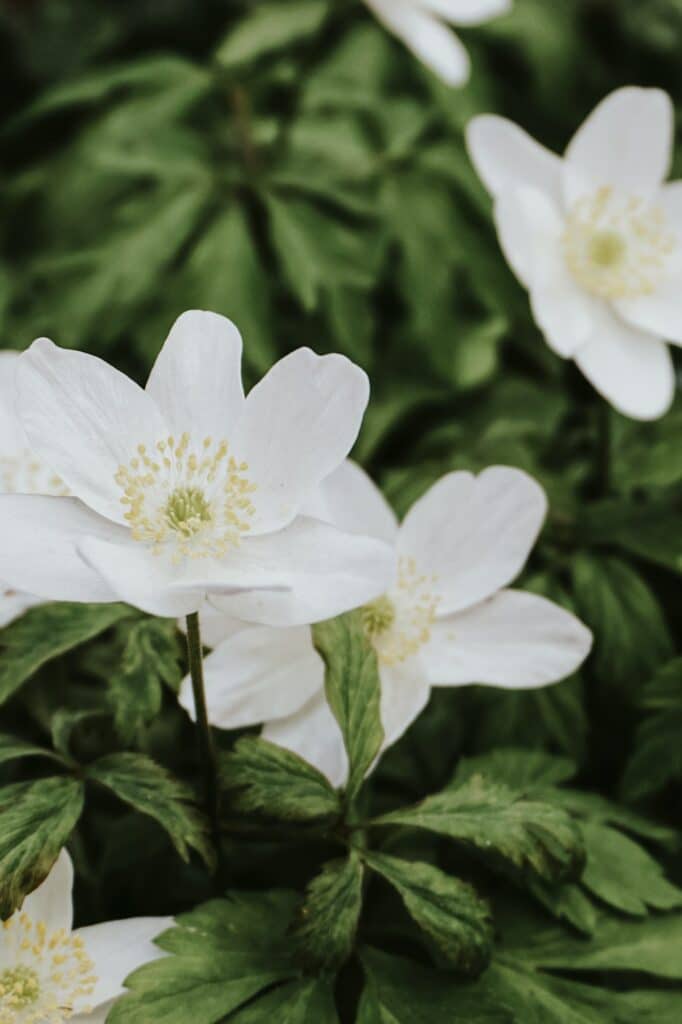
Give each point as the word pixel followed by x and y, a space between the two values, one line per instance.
pixel 52 902
pixel 196 380
pixel 626 142
pixel 117 948
pixel 85 419
pixel 473 534
pixel 313 733
pixel 514 640
pixel 259 674
pixel 350 500
pixel 299 424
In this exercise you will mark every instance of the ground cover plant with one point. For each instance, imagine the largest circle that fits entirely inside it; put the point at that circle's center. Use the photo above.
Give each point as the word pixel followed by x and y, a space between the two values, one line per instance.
pixel 340 680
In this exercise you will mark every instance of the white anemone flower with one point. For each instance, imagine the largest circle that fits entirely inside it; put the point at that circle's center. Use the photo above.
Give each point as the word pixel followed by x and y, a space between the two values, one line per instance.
pixel 449 620
pixel 422 25
pixel 596 238
pixel 21 472
pixel 189 487
pixel 50 973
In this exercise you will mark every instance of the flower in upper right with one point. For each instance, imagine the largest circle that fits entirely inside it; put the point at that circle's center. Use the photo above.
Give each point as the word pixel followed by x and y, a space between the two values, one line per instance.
pixel 596 238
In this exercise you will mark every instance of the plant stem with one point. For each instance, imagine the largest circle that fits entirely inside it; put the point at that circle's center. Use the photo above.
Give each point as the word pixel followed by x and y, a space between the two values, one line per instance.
pixel 207 753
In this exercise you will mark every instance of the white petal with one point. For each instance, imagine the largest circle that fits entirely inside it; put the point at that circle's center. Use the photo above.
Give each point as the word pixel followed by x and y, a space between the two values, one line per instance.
pixel 350 500
pixel 514 640
pixel 467 12
pixel 98 1016
pixel 427 38
pixel 313 733
pixel 140 578
pixel 39 538
pixel 85 419
pixel 117 948
pixel 258 675
pixel 197 380
pixel 661 312
pixel 299 424
pixel 506 157
pixel 325 570
pixel 13 604
pixel 630 369
pixel 473 533
pixel 215 626
pixel 12 437
pixel 404 695
pixel 52 901
pixel 626 142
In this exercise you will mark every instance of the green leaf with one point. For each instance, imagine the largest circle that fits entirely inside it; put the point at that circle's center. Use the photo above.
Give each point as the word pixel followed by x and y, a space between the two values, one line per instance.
pixel 299 1002
pixel 223 953
pixel 328 918
pixel 45 633
pixel 36 820
pixel 647 529
pixel 398 991
pixel 12 748
pixel 527 835
pixel 353 690
pixel 271 780
pixel 528 771
pixel 271 27
pixel 623 874
pixel 151 790
pixel 650 946
pixel 657 757
pixel 446 908
pixel 631 635
pixel 149 659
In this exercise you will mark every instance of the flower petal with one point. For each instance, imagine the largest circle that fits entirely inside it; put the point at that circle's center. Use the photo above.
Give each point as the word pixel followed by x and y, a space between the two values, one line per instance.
pixel 473 533
pixel 513 640
pixel 350 500
pixel 660 313
pixel 52 901
pixel 38 550
pixel 299 424
pixel 325 570
pixel 313 733
pixel 196 380
pixel 631 369
pixel 426 37
pixel 506 157
pixel 404 695
pixel 467 12
pixel 625 142
pixel 85 419
pixel 258 675
pixel 117 948
pixel 98 1016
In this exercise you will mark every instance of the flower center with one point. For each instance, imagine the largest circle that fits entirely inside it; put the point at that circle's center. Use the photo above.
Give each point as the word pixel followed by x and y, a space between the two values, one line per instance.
pixel 48 973
pixel 19 986
pixel 193 500
pixel 378 616
pixel 400 623
pixel 617 246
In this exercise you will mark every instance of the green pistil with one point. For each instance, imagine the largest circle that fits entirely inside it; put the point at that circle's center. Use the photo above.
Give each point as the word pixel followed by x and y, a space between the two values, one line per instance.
pixel 378 617
pixel 187 511
pixel 19 986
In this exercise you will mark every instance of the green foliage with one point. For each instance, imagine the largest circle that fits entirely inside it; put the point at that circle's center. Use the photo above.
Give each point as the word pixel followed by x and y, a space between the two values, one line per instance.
pixel 275 782
pixel 149 659
pixel 329 915
pixel 46 632
pixel 353 691
pixel 36 820
pixel 447 909
pixel 150 789
pixel 657 755
pixel 499 821
pixel 224 954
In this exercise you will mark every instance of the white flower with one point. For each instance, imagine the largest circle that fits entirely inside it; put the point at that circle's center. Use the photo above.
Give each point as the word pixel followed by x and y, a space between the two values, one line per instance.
pixel 448 620
pixel 596 238
pixel 189 488
pixel 50 973
pixel 422 27
pixel 21 472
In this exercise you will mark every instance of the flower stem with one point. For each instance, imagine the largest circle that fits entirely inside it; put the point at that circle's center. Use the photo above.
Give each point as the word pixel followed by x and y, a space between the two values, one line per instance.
pixel 207 753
